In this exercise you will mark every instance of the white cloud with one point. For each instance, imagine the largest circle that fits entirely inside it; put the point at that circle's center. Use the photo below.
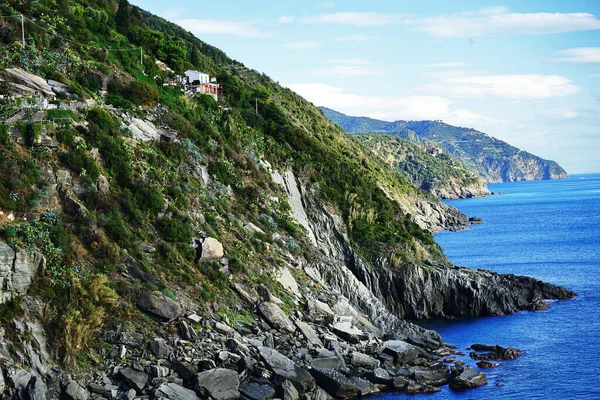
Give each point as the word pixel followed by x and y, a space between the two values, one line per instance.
pixel 348 68
pixel 582 55
pixel 530 86
pixel 286 19
pixel 352 18
pixel 451 64
pixel 173 13
pixel 499 21
pixel 300 45
pixel 388 108
pixel 353 38
pixel 235 28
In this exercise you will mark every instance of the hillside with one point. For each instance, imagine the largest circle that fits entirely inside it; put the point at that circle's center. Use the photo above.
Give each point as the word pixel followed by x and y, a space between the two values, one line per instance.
pixel 160 241
pixel 427 169
pixel 492 159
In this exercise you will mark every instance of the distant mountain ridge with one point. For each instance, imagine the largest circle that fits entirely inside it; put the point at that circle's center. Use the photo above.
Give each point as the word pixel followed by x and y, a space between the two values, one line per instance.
pixel 492 159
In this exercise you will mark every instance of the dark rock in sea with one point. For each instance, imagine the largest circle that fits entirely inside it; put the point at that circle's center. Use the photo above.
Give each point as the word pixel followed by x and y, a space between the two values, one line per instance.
pixel 494 352
pixel 467 378
pixel 475 220
pixel 487 364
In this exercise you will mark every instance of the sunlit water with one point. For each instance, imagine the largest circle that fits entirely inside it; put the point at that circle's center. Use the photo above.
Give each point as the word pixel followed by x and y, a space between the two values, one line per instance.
pixel 549 230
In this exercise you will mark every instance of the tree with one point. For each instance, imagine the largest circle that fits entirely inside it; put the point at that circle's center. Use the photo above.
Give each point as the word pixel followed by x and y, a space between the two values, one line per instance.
pixel 123 17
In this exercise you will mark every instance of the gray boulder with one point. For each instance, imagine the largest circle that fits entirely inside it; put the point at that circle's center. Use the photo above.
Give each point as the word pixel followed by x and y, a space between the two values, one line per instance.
pixel 159 305
pixel 363 360
pixel 285 368
pixel 335 383
pixel 172 391
pixel 211 249
pixel 276 317
pixel 218 384
pixel 309 333
pixel 36 389
pixel 258 390
pixel 346 331
pixel 402 351
pixel 75 392
pixel 160 348
pixel 288 391
pixel 136 379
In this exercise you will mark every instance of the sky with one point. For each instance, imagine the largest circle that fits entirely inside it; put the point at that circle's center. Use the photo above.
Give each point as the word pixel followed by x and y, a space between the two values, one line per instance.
pixel 526 72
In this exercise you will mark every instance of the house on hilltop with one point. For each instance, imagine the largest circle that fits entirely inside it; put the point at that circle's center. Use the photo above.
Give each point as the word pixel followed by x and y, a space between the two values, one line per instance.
pixel 201 83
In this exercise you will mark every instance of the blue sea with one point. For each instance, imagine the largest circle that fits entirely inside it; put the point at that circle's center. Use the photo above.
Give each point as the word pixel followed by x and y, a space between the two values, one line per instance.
pixel 549 230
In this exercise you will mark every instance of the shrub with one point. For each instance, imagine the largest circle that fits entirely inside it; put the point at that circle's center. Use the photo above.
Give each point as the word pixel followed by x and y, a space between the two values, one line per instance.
pixel 140 93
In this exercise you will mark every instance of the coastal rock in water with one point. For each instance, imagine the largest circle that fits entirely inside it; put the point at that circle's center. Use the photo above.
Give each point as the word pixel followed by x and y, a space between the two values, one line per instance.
pixel 160 305
pixel 468 378
pixel 487 364
pixel 494 352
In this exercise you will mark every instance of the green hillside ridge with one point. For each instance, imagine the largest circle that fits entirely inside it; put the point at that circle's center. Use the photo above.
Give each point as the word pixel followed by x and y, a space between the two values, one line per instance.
pixel 492 159
pixel 118 198
pixel 437 173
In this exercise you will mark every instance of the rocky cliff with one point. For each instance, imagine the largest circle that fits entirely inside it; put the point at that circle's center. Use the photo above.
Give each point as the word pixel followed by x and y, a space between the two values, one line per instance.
pixel 420 291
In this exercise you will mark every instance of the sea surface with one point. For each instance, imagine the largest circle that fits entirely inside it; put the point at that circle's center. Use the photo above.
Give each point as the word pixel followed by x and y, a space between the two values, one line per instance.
pixel 549 230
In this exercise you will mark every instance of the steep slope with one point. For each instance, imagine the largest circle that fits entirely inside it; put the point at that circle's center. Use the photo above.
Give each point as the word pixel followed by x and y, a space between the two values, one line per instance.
pixel 492 159
pixel 428 169
pixel 161 244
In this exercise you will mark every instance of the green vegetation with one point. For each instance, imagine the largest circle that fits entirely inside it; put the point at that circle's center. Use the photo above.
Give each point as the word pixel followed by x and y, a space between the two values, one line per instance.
pixel 126 206
pixel 433 173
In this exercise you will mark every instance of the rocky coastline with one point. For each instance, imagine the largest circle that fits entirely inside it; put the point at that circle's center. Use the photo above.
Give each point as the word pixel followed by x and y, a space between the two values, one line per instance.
pixel 346 334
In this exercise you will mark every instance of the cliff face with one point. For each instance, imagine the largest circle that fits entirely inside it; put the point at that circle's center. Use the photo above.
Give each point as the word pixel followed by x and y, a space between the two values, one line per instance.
pixel 418 292
pixel 492 159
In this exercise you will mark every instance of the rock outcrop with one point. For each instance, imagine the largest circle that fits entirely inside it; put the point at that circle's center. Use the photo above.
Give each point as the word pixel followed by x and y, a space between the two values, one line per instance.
pixel 17 270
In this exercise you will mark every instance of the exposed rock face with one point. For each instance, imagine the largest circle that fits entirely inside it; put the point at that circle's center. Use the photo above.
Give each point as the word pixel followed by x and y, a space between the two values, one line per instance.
pixel 26 82
pixel 414 292
pixel 438 292
pixel 17 271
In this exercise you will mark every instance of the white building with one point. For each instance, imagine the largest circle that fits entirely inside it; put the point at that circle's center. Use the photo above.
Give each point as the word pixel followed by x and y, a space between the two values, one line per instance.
pixel 196 77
